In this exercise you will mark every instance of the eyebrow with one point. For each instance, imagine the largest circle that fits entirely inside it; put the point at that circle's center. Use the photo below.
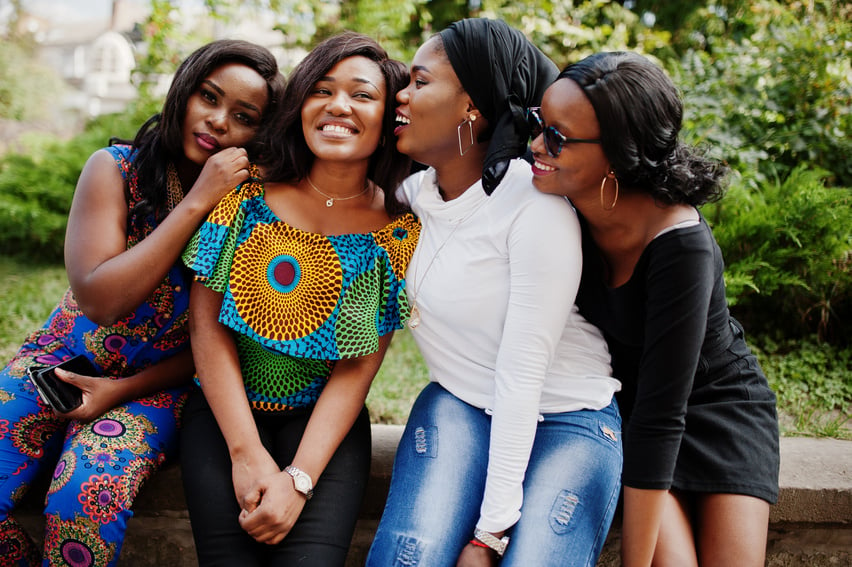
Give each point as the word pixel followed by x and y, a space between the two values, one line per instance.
pixel 330 79
pixel 219 90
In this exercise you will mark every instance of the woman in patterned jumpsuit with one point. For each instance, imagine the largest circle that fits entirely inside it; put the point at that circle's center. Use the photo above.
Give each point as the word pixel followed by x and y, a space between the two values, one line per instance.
pixel 126 310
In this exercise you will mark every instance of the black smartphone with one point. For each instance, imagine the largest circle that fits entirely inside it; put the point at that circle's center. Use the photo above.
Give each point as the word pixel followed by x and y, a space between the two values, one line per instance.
pixel 61 396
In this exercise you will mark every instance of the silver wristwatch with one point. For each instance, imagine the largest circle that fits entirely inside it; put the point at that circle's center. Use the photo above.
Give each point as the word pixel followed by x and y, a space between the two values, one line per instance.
pixel 301 481
pixel 492 541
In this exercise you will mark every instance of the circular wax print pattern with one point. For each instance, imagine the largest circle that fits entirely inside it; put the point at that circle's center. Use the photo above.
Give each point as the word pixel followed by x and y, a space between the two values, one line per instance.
pixel 63 472
pixel 285 282
pixel 76 542
pixel 31 432
pixel 109 428
pixel 114 343
pixel 283 273
pixel 77 554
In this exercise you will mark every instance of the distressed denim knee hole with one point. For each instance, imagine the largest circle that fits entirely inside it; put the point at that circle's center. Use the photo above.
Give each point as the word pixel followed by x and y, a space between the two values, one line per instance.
pixel 408 552
pixel 565 506
pixel 426 441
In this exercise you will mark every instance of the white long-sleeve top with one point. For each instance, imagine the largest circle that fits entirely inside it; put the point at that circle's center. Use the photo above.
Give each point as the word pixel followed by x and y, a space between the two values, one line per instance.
pixel 494 279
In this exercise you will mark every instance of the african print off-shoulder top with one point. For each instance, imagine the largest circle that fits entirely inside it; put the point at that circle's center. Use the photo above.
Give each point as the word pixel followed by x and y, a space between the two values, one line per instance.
pixel 299 301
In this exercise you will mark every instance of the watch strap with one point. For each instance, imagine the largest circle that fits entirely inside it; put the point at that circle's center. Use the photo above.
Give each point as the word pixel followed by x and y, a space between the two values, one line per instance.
pixel 492 541
pixel 301 481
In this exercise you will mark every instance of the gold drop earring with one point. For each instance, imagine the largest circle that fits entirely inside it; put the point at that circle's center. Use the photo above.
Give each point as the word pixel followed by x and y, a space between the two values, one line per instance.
pixel 609 175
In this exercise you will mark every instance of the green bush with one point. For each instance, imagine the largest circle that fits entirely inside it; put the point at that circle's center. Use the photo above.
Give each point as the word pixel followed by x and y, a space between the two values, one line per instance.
pixel 813 382
pixel 788 250
pixel 769 87
pixel 36 189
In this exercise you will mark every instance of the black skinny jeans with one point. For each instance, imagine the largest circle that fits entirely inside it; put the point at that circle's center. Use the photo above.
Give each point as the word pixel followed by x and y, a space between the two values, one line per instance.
pixel 321 535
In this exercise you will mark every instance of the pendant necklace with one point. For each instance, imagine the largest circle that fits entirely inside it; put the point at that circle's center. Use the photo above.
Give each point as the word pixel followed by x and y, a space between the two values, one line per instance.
pixel 414 318
pixel 329 199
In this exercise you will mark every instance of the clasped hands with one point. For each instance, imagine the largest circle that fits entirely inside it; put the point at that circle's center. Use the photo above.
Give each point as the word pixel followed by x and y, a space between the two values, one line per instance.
pixel 270 503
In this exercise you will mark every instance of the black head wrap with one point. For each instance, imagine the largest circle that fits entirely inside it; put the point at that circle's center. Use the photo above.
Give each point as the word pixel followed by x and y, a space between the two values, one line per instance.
pixel 504 74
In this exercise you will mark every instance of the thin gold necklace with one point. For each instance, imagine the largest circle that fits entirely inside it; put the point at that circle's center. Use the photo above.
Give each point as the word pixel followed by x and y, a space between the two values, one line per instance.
pixel 329 199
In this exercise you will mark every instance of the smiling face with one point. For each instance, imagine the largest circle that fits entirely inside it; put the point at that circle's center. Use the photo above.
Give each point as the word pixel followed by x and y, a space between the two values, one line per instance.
pixel 342 115
pixel 579 167
pixel 224 111
pixel 431 108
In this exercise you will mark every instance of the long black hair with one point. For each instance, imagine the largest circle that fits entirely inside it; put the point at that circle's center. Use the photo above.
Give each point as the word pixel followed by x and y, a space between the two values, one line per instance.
pixel 640 112
pixel 160 139
pixel 286 155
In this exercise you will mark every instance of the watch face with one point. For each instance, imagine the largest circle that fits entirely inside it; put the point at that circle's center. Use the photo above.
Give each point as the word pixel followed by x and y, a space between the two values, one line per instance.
pixel 302 484
pixel 301 481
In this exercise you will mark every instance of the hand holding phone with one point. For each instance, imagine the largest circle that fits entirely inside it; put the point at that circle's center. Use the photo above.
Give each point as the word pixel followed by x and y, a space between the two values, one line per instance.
pixel 61 396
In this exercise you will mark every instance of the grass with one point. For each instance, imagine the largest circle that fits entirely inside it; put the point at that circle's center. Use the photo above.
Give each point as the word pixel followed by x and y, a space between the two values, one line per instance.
pixel 28 293
pixel 813 381
pixel 401 377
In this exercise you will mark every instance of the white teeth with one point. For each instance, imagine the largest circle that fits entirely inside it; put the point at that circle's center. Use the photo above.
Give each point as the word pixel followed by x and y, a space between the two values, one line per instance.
pixel 336 129
pixel 402 119
pixel 544 166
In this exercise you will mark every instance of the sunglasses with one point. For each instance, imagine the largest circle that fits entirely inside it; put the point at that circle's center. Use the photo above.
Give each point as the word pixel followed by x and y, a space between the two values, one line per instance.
pixel 553 138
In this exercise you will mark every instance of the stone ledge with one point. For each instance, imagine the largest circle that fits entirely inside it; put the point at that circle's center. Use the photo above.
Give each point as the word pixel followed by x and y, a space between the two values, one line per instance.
pixel 811 524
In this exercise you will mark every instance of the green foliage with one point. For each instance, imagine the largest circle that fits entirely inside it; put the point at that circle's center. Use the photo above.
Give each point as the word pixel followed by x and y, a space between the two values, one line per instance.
pixel 788 249
pixel 565 31
pixel 813 382
pixel 34 202
pixel 161 57
pixel 769 87
pixel 36 187
pixel 401 377
pixel 569 31
pixel 27 88
pixel 28 293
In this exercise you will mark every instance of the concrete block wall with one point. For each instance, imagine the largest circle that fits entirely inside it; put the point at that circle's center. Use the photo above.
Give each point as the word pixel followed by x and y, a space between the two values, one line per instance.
pixel 810 526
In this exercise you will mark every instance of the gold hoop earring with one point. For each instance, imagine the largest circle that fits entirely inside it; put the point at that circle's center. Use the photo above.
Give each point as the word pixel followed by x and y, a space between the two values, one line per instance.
pixel 469 121
pixel 609 175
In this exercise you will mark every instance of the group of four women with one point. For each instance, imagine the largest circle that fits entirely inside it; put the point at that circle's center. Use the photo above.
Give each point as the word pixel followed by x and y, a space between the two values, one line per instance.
pixel 534 314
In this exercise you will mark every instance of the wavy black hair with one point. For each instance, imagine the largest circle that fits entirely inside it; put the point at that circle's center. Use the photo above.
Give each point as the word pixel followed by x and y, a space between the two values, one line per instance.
pixel 640 112
pixel 160 139
pixel 286 155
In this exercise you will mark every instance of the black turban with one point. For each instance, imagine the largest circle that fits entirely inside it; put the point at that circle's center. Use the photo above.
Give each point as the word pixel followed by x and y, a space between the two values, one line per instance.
pixel 504 74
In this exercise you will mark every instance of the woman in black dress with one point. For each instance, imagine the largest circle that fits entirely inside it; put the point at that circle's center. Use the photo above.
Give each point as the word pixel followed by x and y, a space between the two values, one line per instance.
pixel 701 438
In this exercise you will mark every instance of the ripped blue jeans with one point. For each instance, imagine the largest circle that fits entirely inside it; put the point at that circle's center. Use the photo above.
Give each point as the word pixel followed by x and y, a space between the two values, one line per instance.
pixel 570 490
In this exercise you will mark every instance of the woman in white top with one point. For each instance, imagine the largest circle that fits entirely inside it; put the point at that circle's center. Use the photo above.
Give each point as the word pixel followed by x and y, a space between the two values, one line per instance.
pixel 517 435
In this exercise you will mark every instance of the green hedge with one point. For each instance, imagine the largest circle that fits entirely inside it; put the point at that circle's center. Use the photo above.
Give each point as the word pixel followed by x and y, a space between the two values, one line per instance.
pixel 36 189
pixel 788 251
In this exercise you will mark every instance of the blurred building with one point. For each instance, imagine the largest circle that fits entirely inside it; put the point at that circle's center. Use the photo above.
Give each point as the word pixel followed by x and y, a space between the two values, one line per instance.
pixel 95 57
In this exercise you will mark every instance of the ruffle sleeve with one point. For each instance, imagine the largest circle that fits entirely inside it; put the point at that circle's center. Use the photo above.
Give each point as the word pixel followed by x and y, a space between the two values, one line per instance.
pixel 398 241
pixel 210 251
pixel 297 293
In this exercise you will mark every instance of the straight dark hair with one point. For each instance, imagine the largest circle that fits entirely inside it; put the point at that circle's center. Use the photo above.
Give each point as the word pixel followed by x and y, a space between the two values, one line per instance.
pixel 286 155
pixel 639 112
pixel 160 139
